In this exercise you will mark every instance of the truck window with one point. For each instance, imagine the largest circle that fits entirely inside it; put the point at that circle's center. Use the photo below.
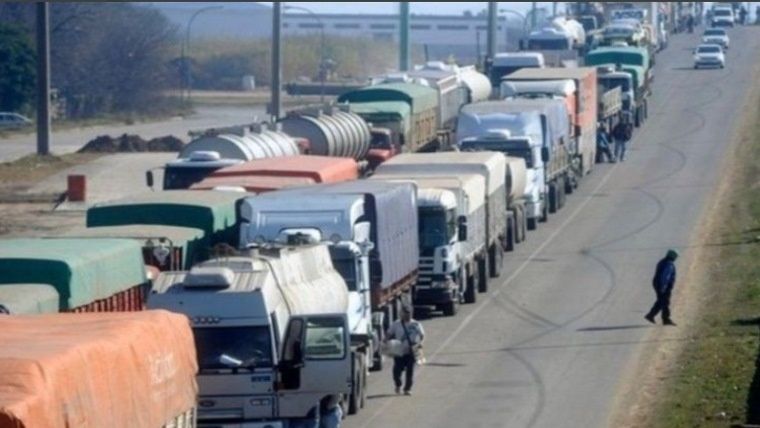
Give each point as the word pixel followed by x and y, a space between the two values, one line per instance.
pixel 436 228
pixel 549 45
pixel 346 267
pixel 183 178
pixel 252 345
pixel 517 148
pixel 325 339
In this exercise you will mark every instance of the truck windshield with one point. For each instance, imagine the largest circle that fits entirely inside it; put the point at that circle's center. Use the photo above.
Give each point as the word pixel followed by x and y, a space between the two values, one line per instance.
pixel 510 148
pixel 183 178
pixel 346 267
pixel 251 345
pixel 549 45
pixel 616 82
pixel 436 227
pixel 723 12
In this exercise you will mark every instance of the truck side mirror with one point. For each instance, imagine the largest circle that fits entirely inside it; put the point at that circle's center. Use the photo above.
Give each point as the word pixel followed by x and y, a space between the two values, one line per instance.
pixel 149 179
pixel 545 154
pixel 292 356
pixel 462 226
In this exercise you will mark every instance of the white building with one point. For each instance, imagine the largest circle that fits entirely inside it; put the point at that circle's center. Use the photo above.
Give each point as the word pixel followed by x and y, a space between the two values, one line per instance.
pixel 442 35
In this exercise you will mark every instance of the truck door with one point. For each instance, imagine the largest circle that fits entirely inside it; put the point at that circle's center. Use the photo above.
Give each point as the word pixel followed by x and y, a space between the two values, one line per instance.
pixel 319 348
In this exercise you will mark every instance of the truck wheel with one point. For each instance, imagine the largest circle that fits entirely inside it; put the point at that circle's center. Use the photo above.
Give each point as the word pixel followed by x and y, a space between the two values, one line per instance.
pixel 495 260
pixel 363 397
pixel 483 272
pixel 450 309
pixel 637 117
pixel 553 199
pixel 511 238
pixel 561 195
pixel 532 224
pixel 523 226
pixel 356 388
pixel 470 291
pixel 377 362
pixel 569 186
pixel 545 210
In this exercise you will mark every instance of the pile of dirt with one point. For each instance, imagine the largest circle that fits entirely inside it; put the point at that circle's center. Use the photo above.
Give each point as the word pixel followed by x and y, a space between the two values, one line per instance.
pixel 132 144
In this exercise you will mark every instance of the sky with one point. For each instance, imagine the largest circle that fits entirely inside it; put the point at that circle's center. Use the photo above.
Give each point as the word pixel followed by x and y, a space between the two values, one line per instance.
pixel 438 8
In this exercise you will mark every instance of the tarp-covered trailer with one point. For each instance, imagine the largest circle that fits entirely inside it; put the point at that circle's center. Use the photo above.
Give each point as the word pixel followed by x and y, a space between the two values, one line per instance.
pixel 320 169
pixel 168 248
pixel 252 184
pixel 214 212
pixel 116 370
pixel 28 299
pixel 90 275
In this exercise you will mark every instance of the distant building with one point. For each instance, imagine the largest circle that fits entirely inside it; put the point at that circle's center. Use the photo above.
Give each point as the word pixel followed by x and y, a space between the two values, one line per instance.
pixel 442 35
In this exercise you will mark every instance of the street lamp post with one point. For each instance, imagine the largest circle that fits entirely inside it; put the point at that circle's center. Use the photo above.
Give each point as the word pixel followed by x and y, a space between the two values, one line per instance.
pixel 322 64
pixel 186 45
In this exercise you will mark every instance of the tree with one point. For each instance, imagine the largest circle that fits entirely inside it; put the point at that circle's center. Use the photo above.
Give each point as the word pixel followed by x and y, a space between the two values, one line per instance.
pixel 17 69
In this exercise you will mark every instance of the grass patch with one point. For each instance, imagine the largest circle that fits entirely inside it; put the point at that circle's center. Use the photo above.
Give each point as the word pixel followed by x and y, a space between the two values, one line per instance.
pixel 30 169
pixel 717 380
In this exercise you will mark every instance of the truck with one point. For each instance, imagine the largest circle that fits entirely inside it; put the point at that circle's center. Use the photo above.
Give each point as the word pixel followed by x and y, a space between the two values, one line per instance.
pixel 163 247
pixel 121 370
pixel 490 166
pixel 213 212
pixel 292 170
pixel 370 229
pixel 506 63
pixel 271 331
pixel 537 131
pixel 612 89
pixel 102 275
pixel 583 106
pixel 452 236
pixel 214 149
pixel 410 111
pixel 635 62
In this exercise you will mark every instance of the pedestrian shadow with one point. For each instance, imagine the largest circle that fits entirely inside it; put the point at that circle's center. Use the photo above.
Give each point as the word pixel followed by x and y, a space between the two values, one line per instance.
pixel 616 327
pixel 683 68
pixel 753 397
pixel 446 365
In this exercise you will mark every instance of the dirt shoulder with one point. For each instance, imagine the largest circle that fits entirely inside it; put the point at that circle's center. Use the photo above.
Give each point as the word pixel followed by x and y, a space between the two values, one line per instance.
pixel 700 374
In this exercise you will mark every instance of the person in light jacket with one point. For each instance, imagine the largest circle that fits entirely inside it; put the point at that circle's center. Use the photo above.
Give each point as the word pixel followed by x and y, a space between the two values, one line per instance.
pixel 663 283
pixel 411 334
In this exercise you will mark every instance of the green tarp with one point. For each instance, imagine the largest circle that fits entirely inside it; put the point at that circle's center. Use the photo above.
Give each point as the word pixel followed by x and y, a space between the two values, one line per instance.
pixel 192 241
pixel 385 111
pixel 213 212
pixel 618 55
pixel 420 98
pixel 28 299
pixel 81 270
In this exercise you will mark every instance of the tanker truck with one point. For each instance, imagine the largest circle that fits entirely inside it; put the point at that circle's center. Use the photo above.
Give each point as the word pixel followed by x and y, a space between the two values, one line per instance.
pixel 370 229
pixel 271 332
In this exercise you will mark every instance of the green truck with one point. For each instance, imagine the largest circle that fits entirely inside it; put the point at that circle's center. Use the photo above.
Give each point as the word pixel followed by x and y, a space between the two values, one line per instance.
pixel 88 275
pixel 213 212
pixel 408 110
pixel 631 71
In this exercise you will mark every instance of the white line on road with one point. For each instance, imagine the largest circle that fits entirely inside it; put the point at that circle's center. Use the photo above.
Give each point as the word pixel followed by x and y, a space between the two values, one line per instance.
pixel 501 287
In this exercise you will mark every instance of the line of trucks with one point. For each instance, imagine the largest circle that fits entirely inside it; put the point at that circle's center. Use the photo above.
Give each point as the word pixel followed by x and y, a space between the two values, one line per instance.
pixel 278 256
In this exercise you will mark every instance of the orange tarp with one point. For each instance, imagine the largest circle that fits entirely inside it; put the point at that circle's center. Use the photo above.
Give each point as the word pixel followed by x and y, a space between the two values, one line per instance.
pixel 321 169
pixel 96 370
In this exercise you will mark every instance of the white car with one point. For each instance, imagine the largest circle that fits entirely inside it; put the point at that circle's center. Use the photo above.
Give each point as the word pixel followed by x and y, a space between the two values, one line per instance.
pixel 13 121
pixel 716 36
pixel 723 17
pixel 709 55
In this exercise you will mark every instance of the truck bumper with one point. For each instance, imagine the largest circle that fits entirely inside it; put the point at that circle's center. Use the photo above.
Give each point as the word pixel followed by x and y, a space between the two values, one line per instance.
pixel 429 295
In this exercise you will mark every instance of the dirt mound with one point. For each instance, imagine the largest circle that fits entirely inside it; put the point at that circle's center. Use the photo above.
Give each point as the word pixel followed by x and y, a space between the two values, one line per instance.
pixel 131 144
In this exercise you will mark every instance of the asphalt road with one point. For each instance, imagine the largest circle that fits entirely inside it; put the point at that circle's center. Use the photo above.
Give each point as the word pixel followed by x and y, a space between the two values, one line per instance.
pixel 548 346
pixel 71 140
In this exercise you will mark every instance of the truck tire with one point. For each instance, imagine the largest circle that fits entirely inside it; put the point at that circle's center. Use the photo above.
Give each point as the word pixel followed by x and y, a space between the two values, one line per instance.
pixel 561 195
pixel 519 224
pixel 511 238
pixel 356 388
pixel 570 185
pixel 553 198
pixel 637 117
pixel 470 291
pixel 523 225
pixel 377 362
pixel 495 260
pixel 450 309
pixel 483 273
pixel 532 224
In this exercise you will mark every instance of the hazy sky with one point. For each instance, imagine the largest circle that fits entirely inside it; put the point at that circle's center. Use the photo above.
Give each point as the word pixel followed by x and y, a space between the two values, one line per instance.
pixel 422 7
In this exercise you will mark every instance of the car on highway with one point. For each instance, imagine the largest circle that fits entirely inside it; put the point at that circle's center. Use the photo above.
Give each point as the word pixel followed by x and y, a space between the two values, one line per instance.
pixel 709 55
pixel 723 17
pixel 717 36
pixel 13 121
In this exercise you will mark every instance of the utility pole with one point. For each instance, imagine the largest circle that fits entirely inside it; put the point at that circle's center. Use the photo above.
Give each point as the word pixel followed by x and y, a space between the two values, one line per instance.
pixel 493 15
pixel 533 17
pixel 275 106
pixel 554 8
pixel 43 78
pixel 404 42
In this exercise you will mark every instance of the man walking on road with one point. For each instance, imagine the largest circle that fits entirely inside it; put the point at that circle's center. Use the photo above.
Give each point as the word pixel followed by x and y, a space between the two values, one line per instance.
pixel 603 149
pixel 622 133
pixel 663 282
pixel 411 335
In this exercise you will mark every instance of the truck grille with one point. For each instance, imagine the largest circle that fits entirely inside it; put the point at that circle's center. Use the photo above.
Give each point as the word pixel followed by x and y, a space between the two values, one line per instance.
pixel 426 266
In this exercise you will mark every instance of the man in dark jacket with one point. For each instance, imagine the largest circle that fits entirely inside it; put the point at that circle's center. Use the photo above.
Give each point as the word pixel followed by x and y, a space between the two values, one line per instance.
pixel 663 282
